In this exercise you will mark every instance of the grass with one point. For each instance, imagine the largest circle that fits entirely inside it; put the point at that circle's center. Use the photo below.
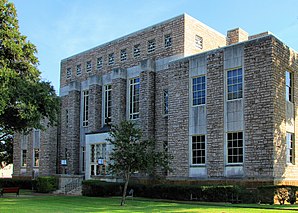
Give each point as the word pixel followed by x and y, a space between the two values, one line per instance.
pixel 28 203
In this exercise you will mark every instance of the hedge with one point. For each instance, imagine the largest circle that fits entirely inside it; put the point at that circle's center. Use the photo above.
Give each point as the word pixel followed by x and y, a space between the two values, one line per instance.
pixel 10 182
pixel 46 184
pixel 228 193
pixel 281 192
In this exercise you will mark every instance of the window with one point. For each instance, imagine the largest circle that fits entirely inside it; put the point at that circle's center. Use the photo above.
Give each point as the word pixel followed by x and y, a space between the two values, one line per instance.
pixel 36 138
pixel 235 147
pixel 111 59
pixel 85 107
pixel 290 148
pixel 88 66
pixel 199 90
pixel 165 102
pixel 83 159
pixel 198 149
pixel 136 50
pixel 24 158
pixel 134 95
pixel 108 101
pixel 79 69
pixel 123 55
pixel 68 72
pixel 289 86
pixel 168 40
pixel 235 86
pixel 66 117
pixel 199 42
pixel 36 157
pixel 151 45
pixel 99 159
pixel 99 63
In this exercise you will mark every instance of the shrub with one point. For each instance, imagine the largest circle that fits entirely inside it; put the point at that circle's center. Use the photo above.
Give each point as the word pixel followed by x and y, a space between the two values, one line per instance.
pixel 22 183
pixel 292 195
pixel 164 191
pixel 95 188
pixel 46 184
pixel 282 192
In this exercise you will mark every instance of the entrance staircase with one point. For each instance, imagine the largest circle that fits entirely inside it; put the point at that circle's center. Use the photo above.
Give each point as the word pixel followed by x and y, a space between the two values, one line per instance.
pixel 70 185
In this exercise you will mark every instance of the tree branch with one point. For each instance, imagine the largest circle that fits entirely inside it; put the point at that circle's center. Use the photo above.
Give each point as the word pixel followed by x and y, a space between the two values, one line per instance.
pixel 3 136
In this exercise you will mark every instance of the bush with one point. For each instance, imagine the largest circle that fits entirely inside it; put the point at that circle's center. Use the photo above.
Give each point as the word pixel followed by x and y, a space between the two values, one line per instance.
pixel 163 191
pixel 22 183
pixel 95 188
pixel 46 184
pixel 282 192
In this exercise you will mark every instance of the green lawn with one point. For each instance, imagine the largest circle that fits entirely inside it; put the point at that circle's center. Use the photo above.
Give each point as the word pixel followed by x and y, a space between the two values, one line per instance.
pixel 27 203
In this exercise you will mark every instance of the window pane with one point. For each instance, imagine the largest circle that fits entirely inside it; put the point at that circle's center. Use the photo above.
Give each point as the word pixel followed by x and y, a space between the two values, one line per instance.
pixel 199 90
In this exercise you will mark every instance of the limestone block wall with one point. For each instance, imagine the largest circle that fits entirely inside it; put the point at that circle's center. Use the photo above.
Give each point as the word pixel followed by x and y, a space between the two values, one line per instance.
pixel 147 100
pixel 17 154
pixel 258 109
pixel 48 161
pixel 178 119
pixel 119 86
pixel 285 113
pixel 211 39
pixel 46 142
pixel 95 105
pixel 215 114
pixel 174 27
pixel 72 143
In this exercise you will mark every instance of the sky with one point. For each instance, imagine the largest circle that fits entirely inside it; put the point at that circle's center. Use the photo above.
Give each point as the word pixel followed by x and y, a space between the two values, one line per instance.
pixel 62 28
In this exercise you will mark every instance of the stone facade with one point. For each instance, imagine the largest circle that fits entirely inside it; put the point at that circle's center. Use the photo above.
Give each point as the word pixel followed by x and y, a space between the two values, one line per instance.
pixel 152 74
pixel 33 165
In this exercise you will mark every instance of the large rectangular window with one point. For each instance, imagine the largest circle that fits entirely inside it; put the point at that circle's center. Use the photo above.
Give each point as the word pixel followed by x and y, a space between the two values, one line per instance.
pixel 36 157
pixel 99 159
pixel 108 102
pixel 199 91
pixel 235 147
pixel 290 148
pixel 165 102
pixel 85 107
pixel 235 84
pixel 134 97
pixel 289 86
pixel 24 158
pixel 198 149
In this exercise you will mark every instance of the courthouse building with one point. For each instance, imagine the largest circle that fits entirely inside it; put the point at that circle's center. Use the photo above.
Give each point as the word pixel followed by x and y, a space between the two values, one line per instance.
pixel 224 106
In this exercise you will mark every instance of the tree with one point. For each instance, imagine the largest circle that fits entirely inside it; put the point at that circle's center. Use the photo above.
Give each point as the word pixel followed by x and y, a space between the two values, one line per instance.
pixel 25 99
pixel 6 150
pixel 132 154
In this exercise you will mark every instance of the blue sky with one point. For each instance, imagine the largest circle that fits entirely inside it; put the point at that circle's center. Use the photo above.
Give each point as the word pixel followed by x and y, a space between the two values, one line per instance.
pixel 61 28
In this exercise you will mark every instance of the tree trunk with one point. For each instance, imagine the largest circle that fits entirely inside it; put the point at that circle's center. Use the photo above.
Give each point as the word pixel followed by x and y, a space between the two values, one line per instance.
pixel 125 189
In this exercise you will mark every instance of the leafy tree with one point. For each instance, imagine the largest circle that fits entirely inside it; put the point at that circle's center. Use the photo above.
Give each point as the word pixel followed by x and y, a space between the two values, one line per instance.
pixel 6 150
pixel 132 154
pixel 25 99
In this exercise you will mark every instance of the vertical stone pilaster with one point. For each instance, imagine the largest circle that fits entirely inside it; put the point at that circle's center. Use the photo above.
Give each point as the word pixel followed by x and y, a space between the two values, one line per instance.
pixel 48 154
pixel 258 109
pixel 17 154
pixel 178 130
pixel 72 148
pixel 147 99
pixel 215 114
pixel 119 88
pixel 64 127
pixel 95 107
